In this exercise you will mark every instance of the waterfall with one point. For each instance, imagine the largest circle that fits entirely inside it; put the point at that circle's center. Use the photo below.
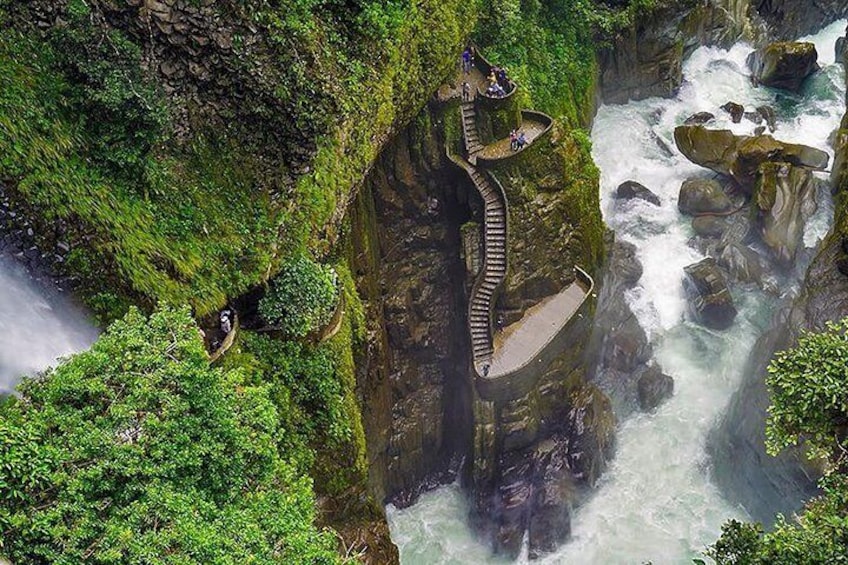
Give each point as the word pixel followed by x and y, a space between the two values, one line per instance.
pixel 657 501
pixel 38 326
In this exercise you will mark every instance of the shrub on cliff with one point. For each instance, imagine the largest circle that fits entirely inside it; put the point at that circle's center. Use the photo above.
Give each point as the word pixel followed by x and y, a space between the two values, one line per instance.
pixel 301 298
pixel 137 451
pixel 809 391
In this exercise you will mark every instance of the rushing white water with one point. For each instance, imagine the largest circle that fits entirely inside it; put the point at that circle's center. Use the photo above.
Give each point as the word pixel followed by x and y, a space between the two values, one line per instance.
pixel 37 326
pixel 657 502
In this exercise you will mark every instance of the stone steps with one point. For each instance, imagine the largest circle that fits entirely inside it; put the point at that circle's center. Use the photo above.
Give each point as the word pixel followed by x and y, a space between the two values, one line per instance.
pixel 494 243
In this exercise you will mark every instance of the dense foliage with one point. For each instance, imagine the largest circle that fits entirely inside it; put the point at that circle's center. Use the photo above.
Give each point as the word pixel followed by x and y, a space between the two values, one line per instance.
pixel 301 298
pixel 87 134
pixel 550 48
pixel 138 452
pixel 809 387
pixel 81 137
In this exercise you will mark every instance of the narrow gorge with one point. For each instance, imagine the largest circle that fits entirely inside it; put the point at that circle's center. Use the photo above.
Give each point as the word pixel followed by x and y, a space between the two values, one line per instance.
pixel 424 283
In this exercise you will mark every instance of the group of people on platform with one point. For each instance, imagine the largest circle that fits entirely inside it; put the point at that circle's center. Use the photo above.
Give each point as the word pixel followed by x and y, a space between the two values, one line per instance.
pixel 499 83
pixel 517 140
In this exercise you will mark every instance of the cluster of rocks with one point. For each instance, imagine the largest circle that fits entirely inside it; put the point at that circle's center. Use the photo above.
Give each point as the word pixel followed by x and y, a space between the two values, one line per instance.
pixel 621 353
pixel 43 250
pixel 749 219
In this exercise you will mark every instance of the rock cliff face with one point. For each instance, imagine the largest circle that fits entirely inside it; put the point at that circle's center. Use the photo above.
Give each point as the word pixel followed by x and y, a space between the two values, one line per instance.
pixel 413 379
pixel 416 237
pixel 646 60
pixel 790 19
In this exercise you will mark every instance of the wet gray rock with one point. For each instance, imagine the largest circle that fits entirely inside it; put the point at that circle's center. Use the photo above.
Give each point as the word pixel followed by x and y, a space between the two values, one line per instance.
pixel 703 196
pixel 709 298
pixel 767 112
pixel 709 226
pixel 754 117
pixel 632 189
pixel 735 110
pixel 783 64
pixel 699 118
pixel 550 521
pixel 741 262
pixel 785 199
pixel 654 387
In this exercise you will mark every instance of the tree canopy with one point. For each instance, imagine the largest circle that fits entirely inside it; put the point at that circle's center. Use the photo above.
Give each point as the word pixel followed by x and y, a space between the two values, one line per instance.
pixel 809 389
pixel 138 451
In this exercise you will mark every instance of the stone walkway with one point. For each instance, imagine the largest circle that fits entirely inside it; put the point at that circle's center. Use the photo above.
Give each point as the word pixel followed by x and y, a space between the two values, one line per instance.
pixel 521 341
pixel 500 149
pixel 454 89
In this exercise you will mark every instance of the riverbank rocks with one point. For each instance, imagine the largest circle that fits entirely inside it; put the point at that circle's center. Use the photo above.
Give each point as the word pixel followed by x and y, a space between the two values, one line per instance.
pixel 619 348
pixel 629 190
pixel 735 110
pixel 654 387
pixel 740 156
pixel 785 198
pixel 699 118
pixel 709 225
pixel 783 64
pixel 703 196
pixel 709 298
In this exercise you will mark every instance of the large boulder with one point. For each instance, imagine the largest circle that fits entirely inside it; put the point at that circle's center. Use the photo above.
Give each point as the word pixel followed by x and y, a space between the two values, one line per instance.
pixel 709 298
pixel 709 225
pixel 743 263
pixel 703 196
pixel 699 118
pixel 629 190
pixel 654 387
pixel 735 110
pixel 783 64
pixel 785 198
pixel 740 156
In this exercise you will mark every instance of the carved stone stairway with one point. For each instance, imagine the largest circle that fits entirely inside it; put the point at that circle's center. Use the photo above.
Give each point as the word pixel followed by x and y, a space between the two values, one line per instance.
pixel 529 345
pixel 493 270
pixel 470 134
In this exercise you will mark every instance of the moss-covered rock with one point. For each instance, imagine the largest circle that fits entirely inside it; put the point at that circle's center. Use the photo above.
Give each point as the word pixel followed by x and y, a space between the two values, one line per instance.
pixel 554 212
pixel 741 156
pixel 783 64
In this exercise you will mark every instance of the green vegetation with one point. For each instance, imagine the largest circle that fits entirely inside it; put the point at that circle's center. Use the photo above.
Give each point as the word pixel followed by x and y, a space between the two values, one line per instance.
pixel 138 452
pixel 550 47
pixel 301 298
pixel 81 139
pixel 173 201
pixel 809 386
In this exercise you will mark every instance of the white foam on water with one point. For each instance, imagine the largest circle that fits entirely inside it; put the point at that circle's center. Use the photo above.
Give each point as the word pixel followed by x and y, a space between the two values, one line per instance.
pixel 657 502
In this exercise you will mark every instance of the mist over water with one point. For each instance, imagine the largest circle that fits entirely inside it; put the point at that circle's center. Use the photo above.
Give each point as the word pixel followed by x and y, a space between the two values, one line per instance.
pixel 657 502
pixel 37 326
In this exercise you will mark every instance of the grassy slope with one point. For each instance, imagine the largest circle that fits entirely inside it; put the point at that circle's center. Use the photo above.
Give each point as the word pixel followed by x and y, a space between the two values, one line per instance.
pixel 194 222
